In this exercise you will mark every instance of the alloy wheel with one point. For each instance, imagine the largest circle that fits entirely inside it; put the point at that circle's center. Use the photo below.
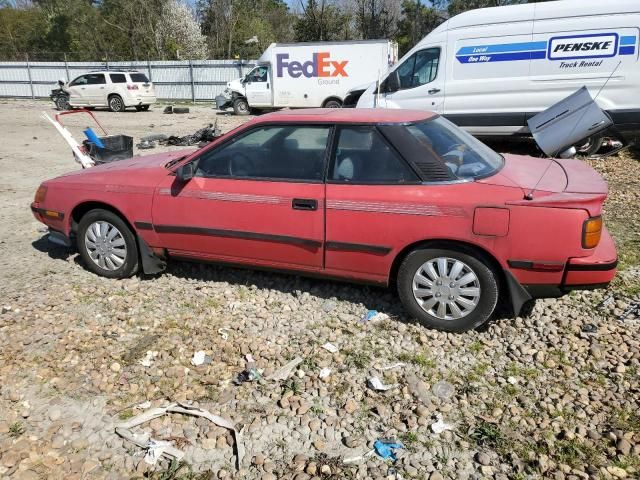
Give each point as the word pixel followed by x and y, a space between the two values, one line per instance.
pixel 116 104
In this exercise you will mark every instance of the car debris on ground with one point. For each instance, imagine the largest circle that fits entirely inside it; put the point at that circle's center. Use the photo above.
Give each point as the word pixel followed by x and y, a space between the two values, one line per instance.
pixel 376 384
pixel 285 372
pixel 157 448
pixel 385 448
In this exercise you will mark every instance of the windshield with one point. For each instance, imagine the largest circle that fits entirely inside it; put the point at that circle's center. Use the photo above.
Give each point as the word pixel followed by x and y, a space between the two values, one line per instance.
pixel 464 155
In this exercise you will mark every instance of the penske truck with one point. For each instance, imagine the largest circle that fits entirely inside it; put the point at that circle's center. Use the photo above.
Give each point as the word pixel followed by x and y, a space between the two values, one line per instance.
pixel 490 70
pixel 303 75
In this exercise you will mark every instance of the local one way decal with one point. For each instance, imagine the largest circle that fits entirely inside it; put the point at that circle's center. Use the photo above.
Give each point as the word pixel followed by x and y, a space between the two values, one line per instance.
pixel 575 47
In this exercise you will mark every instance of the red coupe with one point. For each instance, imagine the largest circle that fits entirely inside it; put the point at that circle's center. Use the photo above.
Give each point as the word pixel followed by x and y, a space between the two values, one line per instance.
pixel 385 196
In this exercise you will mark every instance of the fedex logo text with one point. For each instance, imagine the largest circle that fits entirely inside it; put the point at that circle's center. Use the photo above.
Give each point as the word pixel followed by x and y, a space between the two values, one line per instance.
pixel 320 66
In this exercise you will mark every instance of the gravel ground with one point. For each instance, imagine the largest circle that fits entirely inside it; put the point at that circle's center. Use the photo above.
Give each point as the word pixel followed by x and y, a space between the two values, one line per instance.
pixel 554 395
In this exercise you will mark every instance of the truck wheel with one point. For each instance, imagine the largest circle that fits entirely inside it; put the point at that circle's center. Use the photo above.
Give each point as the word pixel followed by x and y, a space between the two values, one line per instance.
pixel 590 146
pixel 241 106
pixel 107 245
pixel 333 103
pixel 116 104
pixel 447 289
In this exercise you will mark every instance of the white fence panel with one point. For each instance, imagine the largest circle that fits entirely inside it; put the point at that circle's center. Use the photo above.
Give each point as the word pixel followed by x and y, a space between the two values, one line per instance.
pixel 199 80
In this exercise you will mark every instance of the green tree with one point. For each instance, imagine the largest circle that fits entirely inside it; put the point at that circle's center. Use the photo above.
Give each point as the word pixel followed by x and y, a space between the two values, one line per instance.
pixel 322 20
pixel 417 21
pixel 231 25
pixel 376 19
pixel 20 31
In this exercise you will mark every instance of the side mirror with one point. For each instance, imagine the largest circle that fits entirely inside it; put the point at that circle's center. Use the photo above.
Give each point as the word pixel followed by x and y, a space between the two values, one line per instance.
pixel 185 172
pixel 392 83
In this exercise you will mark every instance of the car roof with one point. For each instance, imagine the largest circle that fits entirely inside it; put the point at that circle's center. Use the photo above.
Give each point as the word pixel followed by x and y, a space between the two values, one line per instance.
pixel 112 71
pixel 346 115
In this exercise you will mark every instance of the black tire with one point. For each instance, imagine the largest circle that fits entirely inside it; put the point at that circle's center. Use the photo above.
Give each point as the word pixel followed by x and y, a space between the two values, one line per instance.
pixel 129 266
pixel 241 106
pixel 180 110
pixel 116 104
pixel 485 280
pixel 142 108
pixel 590 146
pixel 62 103
pixel 333 103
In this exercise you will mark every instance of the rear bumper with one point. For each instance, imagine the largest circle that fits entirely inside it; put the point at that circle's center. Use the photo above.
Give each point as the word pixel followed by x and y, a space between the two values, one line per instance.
pixel 583 273
pixel 141 100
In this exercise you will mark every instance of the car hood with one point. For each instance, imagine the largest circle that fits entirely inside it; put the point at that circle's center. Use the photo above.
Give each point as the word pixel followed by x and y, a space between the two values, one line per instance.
pixel 139 170
pixel 548 175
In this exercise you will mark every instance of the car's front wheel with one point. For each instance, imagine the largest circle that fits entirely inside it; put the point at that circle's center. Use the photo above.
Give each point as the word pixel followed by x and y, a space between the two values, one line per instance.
pixel 107 245
pixel 241 106
pixel 447 289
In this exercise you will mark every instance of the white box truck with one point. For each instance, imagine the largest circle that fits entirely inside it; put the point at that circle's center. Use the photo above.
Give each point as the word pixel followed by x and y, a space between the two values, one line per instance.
pixel 303 75
pixel 490 70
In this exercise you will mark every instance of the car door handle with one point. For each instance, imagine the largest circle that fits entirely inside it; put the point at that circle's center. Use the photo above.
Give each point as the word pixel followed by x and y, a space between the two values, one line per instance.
pixel 267 86
pixel 304 204
pixel 434 90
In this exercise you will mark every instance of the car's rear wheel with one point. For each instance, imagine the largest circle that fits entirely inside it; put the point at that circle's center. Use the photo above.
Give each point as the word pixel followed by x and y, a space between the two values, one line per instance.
pixel 333 103
pixel 116 104
pixel 107 245
pixel 447 289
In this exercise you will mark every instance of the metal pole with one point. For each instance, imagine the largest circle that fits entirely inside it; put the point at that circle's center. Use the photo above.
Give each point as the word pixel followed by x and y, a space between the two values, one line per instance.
pixel 29 74
pixel 66 67
pixel 149 68
pixel 193 87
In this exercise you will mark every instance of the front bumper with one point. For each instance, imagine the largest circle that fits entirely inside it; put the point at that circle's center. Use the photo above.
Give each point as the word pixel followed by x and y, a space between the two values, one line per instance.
pixel 223 102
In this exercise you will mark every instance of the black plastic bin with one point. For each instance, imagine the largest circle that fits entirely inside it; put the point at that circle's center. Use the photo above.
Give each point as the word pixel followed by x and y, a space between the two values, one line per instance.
pixel 116 147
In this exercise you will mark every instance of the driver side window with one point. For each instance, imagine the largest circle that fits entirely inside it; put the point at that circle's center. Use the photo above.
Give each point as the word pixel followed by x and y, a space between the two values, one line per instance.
pixel 289 153
pixel 258 74
pixel 82 80
pixel 419 69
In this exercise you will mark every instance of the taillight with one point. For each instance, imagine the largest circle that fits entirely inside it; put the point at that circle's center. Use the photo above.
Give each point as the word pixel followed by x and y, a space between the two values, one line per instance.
pixel 41 193
pixel 591 232
pixel 132 86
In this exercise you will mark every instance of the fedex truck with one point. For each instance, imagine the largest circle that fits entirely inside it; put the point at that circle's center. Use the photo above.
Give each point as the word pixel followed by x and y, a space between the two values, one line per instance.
pixel 490 70
pixel 302 75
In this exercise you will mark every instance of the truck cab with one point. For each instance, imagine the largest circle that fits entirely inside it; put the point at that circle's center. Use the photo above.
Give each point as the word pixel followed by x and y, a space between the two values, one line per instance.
pixel 254 90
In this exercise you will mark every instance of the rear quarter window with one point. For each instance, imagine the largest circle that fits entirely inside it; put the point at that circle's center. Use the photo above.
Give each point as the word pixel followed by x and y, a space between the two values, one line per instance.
pixel 139 78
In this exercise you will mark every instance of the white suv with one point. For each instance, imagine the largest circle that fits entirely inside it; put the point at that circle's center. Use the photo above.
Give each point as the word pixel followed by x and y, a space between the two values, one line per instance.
pixel 114 89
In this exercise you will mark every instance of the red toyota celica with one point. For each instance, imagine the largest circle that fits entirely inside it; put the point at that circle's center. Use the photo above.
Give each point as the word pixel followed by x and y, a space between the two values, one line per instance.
pixel 385 196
